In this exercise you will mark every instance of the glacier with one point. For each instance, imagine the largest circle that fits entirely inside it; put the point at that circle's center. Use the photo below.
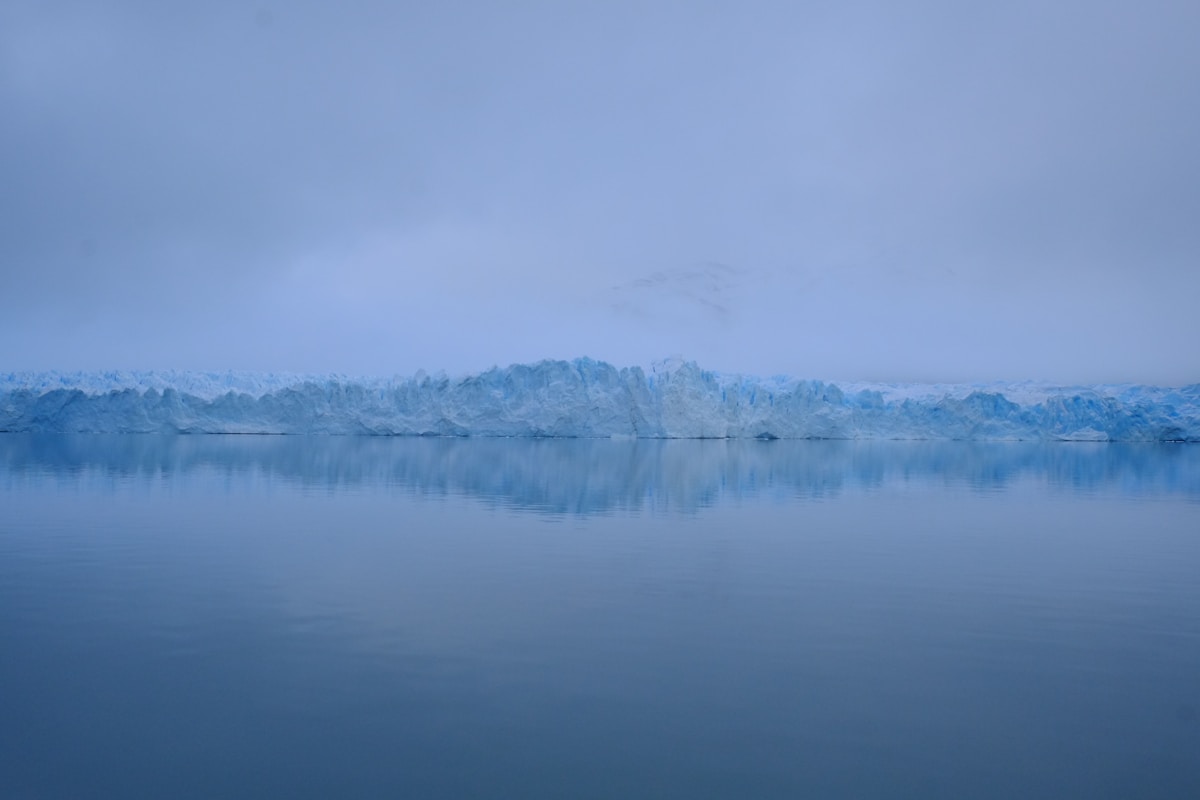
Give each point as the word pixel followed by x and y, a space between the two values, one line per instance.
pixel 586 398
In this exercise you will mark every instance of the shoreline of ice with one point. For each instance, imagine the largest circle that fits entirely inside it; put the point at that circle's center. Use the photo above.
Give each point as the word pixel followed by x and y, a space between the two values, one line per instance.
pixel 591 399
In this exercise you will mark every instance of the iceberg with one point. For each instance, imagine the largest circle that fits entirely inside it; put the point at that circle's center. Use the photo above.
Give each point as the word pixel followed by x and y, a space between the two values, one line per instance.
pixel 585 398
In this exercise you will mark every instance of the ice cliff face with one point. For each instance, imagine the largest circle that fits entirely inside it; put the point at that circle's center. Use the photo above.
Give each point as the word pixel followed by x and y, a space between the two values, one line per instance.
pixel 586 398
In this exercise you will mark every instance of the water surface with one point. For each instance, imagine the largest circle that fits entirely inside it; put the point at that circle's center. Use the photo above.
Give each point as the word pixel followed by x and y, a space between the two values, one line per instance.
pixel 311 617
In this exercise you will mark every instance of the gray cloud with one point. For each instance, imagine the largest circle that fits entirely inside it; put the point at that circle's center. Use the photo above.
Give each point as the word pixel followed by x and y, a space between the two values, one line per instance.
pixel 930 190
pixel 708 289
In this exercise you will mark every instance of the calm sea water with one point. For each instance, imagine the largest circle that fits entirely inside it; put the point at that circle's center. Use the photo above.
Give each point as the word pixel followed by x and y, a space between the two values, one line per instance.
pixel 204 617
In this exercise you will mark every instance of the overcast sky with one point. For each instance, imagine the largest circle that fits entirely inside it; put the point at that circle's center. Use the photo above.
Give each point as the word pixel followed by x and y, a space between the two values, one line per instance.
pixel 921 190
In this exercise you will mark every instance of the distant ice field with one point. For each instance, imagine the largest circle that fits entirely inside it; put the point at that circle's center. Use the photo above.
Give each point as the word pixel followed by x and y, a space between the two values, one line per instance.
pixel 588 398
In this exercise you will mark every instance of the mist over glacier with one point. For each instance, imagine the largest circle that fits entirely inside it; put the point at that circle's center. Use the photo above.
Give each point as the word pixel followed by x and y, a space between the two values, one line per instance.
pixel 864 190
pixel 591 399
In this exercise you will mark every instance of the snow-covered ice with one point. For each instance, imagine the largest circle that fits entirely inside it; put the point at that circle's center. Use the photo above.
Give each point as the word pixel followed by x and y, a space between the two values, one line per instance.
pixel 587 398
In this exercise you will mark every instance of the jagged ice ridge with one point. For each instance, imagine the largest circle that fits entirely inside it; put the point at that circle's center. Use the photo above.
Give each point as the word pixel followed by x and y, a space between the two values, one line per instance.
pixel 587 398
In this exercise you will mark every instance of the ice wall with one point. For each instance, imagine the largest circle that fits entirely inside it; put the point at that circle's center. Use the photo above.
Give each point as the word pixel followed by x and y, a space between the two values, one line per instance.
pixel 586 398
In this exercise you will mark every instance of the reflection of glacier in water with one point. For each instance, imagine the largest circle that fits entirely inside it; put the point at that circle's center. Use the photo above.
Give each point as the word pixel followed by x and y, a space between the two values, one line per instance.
pixel 594 476
pixel 320 616
pixel 586 398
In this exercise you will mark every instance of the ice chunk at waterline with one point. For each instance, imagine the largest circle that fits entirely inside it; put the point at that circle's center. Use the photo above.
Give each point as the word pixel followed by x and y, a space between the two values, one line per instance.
pixel 586 398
